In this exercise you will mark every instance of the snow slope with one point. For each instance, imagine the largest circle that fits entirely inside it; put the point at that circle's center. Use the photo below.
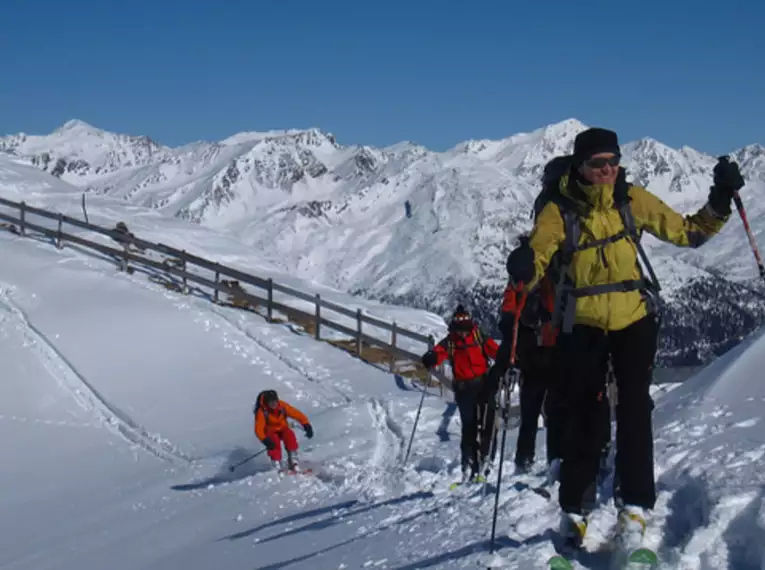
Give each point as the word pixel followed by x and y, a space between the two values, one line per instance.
pixel 124 403
pixel 336 215
pixel 21 182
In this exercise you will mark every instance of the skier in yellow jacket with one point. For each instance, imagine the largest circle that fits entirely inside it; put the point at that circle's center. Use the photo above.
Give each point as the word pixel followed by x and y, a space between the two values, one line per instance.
pixel 608 309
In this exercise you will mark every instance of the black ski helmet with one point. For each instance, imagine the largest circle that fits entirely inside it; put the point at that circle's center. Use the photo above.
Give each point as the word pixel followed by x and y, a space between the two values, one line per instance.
pixel 270 396
pixel 264 398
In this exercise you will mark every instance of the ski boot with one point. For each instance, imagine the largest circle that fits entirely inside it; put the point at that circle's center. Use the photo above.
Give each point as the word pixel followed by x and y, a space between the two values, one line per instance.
pixel 632 525
pixel 485 471
pixel 572 529
pixel 523 465
pixel 476 476
pixel 277 463
pixel 467 476
pixel 292 460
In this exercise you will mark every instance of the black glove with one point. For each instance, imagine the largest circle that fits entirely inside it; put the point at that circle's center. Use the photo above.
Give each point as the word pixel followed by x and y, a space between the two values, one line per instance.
pixel 268 442
pixel 727 180
pixel 520 263
pixel 429 359
pixel 308 431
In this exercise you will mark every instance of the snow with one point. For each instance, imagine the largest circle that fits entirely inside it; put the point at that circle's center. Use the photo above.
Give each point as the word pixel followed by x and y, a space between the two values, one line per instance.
pixel 335 215
pixel 140 398
pixel 469 203
pixel 124 403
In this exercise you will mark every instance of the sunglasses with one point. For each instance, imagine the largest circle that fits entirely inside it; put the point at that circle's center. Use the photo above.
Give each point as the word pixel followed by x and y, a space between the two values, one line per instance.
pixel 600 162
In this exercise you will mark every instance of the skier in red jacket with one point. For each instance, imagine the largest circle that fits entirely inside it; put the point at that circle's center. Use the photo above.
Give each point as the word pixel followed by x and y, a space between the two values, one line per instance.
pixel 468 352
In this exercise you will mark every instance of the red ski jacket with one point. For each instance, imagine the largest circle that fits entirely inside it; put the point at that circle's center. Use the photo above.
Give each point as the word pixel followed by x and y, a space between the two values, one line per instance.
pixel 467 354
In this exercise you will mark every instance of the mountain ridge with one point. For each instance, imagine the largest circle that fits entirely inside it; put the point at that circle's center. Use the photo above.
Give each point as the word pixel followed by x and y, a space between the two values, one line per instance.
pixel 403 223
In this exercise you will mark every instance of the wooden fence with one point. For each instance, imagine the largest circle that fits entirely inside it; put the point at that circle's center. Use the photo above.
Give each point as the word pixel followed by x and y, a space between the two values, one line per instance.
pixel 180 261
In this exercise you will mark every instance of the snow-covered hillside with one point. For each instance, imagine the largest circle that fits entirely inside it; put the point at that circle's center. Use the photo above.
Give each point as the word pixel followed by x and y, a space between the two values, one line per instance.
pixel 22 182
pixel 337 214
pixel 123 405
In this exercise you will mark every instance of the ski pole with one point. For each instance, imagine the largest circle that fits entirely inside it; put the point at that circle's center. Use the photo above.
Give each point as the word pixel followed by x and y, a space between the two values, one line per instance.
pixel 514 372
pixel 243 461
pixel 745 221
pixel 419 408
pixel 750 235
pixel 416 420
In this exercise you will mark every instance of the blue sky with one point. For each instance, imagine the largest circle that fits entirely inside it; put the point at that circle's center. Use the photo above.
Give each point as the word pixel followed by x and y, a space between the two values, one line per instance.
pixel 432 71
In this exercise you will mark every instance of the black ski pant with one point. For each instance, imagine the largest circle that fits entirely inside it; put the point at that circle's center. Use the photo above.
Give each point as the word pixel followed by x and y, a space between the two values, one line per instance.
pixel 538 373
pixel 467 395
pixel 584 355
pixel 487 427
pixel 556 408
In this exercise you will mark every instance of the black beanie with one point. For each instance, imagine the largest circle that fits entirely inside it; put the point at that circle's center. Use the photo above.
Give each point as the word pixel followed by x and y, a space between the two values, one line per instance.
pixel 461 320
pixel 594 141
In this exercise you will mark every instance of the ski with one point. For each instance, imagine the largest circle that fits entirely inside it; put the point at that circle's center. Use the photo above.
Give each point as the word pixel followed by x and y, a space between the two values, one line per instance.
pixel 540 490
pixel 642 559
pixel 559 562
pixel 289 471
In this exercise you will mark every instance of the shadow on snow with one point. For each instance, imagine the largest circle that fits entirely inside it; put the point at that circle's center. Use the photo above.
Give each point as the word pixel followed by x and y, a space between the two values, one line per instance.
pixel 328 522
pixel 258 465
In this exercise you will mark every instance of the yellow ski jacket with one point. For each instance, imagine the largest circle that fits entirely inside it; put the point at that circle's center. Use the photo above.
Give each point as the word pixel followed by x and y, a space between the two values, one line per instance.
pixel 616 261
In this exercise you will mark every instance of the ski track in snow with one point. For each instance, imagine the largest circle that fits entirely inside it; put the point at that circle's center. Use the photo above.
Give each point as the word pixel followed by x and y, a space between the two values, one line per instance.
pixel 184 302
pixel 388 449
pixel 268 346
pixel 689 533
pixel 83 392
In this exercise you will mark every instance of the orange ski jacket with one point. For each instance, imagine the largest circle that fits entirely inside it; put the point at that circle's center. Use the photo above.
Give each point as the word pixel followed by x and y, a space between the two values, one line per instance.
pixel 268 420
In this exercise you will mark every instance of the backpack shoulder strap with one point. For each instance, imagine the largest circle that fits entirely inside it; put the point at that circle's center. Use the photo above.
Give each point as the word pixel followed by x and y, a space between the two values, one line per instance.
pixel 479 340
pixel 625 211
pixel 573 231
pixel 628 219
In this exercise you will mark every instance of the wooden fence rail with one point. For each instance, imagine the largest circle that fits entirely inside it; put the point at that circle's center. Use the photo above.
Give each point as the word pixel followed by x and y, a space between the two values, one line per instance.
pixel 179 268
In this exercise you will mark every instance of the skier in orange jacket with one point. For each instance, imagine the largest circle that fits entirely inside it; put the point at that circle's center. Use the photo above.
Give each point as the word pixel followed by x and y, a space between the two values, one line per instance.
pixel 272 429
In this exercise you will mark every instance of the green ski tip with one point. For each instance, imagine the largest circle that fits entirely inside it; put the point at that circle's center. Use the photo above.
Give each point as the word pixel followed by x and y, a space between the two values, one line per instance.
pixel 559 563
pixel 642 558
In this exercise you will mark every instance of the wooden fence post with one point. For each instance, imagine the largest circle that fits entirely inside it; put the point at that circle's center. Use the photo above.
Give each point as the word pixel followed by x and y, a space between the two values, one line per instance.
pixel 60 223
pixel 393 348
pixel 22 218
pixel 183 267
pixel 317 334
pixel 216 297
pixel 84 209
pixel 358 333
pixel 431 346
pixel 270 307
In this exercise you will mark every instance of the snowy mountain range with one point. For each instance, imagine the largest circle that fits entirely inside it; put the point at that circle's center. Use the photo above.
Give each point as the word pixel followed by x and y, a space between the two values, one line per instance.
pixel 411 226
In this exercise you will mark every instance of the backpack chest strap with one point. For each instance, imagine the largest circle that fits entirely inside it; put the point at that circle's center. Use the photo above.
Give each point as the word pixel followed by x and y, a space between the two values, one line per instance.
pixel 602 242
pixel 619 287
